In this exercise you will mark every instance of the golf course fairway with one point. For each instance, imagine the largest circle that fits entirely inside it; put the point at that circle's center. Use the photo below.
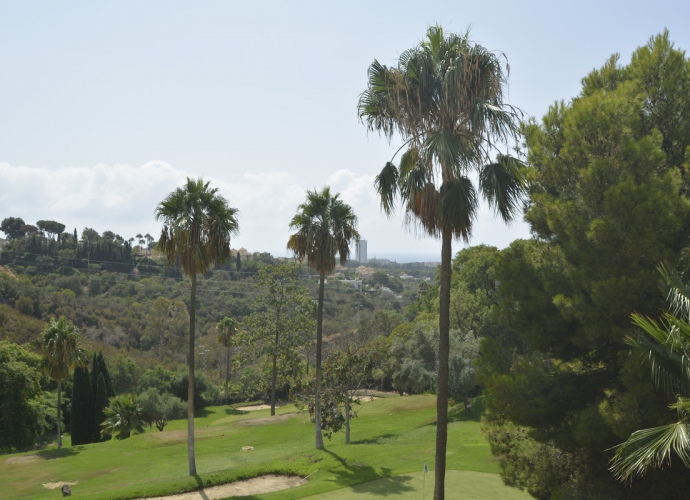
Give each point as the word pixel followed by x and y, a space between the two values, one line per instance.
pixel 392 438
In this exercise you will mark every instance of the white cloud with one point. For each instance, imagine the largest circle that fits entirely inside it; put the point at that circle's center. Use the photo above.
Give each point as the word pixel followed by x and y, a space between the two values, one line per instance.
pixel 122 198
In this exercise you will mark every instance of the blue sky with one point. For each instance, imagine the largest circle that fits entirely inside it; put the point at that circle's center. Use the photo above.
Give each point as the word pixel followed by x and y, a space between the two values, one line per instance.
pixel 105 107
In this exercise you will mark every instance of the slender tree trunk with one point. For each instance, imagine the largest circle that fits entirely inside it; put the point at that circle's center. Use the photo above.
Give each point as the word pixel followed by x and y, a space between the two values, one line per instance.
pixel 274 376
pixel 190 389
pixel 347 416
pixel 59 416
pixel 318 442
pixel 442 383
pixel 227 378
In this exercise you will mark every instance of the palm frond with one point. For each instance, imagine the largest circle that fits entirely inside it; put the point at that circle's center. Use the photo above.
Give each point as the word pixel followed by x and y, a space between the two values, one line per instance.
pixel 676 292
pixel 386 184
pixel 459 206
pixel 502 184
pixel 651 448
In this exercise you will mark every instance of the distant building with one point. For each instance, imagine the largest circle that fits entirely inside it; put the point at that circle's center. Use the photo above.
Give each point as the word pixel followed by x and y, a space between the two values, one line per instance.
pixel 361 252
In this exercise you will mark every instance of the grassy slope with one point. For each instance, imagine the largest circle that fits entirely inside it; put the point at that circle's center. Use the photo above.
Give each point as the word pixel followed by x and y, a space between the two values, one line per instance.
pixel 391 436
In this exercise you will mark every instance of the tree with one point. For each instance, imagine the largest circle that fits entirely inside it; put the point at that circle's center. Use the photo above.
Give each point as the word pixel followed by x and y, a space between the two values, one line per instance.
pixel 445 100
pixel 122 417
pixel 100 405
pixel 346 371
pixel 12 227
pixel 238 262
pixel 666 345
pixel 197 226
pixel 82 417
pixel 22 411
pixel 59 344
pixel 325 228
pixel 157 409
pixel 227 328
pixel 51 227
pixel 281 325
pixel 608 201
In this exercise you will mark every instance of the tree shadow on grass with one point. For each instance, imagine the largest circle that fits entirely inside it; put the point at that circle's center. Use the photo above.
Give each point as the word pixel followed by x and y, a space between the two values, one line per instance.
pixel 356 473
pixel 68 451
pixel 202 413
pixel 458 413
pixel 200 483
pixel 382 439
pixel 234 411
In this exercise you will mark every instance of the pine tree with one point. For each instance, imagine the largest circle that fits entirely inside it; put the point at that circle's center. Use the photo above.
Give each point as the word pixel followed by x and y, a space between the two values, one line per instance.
pixel 101 404
pixel 82 419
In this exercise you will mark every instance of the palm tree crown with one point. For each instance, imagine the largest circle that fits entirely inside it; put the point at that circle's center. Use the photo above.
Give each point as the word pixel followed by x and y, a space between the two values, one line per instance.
pixel 197 226
pixel 325 228
pixel 227 328
pixel 445 100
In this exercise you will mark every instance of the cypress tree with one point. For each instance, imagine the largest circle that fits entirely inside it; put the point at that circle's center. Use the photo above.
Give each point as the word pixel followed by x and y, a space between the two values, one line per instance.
pixel 82 417
pixel 110 390
pixel 238 264
pixel 95 372
pixel 101 404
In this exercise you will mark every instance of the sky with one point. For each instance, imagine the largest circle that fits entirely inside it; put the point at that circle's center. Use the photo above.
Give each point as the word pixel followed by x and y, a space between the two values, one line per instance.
pixel 106 107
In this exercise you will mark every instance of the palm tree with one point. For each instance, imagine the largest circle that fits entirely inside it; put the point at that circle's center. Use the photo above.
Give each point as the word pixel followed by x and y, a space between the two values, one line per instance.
pixel 227 328
pixel 445 100
pixel 325 228
pixel 666 344
pixel 61 352
pixel 197 226
pixel 122 417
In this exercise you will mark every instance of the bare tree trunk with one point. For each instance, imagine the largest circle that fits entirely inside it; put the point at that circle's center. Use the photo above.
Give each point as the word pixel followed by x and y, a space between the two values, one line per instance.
pixel 318 434
pixel 274 377
pixel 227 378
pixel 442 383
pixel 190 389
pixel 59 417
pixel 347 416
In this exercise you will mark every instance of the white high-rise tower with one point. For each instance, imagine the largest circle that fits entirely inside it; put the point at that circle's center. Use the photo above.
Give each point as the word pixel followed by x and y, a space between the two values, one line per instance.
pixel 361 251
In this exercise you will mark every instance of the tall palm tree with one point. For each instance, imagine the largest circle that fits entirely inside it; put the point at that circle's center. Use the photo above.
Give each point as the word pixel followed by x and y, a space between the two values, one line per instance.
pixel 325 228
pixel 227 328
pixel 445 100
pixel 61 352
pixel 666 344
pixel 197 226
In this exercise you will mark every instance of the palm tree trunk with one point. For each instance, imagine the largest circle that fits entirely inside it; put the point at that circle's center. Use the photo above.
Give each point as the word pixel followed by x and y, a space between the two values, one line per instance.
pixel 318 435
pixel 347 416
pixel 227 378
pixel 190 389
pixel 442 383
pixel 59 419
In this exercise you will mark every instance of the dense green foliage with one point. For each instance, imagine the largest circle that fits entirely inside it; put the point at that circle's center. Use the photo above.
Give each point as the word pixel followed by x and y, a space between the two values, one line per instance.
pixel 25 414
pixel 608 202
pixel 123 416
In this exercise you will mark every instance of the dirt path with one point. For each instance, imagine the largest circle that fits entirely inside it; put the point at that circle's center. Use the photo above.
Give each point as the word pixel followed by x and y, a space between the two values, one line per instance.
pixel 255 486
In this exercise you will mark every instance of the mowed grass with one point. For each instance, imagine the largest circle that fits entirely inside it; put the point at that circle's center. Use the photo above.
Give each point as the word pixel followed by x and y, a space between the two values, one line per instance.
pixel 391 437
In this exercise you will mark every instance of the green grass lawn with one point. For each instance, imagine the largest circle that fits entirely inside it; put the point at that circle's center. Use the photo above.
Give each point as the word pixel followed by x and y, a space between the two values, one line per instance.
pixel 391 437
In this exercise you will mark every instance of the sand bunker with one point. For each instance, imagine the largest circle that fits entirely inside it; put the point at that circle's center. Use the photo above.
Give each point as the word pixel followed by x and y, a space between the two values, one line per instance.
pixel 265 420
pixel 22 460
pixel 258 407
pixel 366 399
pixel 54 486
pixel 255 486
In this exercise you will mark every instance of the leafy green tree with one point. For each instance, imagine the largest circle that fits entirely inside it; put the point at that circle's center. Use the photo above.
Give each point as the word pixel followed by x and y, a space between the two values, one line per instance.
pixel 157 409
pixel 608 202
pixel 12 227
pixel 82 417
pixel 51 227
pixel 125 375
pixel 325 227
pixel 22 409
pixel 122 417
pixel 59 345
pixel 227 328
pixel 197 226
pixel 445 100
pixel 282 324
